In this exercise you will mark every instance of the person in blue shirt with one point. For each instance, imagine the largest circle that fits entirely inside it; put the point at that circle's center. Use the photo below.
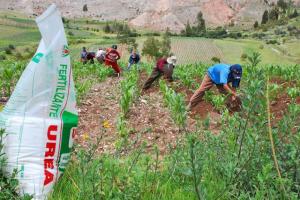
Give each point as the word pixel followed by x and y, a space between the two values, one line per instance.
pixel 134 59
pixel 86 56
pixel 220 75
pixel 83 55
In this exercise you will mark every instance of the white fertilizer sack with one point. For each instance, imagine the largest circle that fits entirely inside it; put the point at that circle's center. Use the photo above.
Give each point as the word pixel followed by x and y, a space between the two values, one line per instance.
pixel 40 118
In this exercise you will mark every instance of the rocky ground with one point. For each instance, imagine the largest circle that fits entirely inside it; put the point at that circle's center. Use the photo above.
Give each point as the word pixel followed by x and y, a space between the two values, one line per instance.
pixel 154 14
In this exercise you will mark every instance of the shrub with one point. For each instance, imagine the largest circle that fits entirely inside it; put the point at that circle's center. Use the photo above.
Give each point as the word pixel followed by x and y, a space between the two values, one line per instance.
pixel 2 57
pixel 27 50
pixel 256 24
pixel 215 59
pixel 261 46
pixel 294 14
pixel 291 28
pixel 19 56
pixel 272 42
pixel 244 57
pixel 152 34
pixel 11 46
pixel 259 35
pixel 107 28
pixel 70 33
pixel 279 31
pixel 151 47
pixel 284 40
pixel 85 8
pixel 8 51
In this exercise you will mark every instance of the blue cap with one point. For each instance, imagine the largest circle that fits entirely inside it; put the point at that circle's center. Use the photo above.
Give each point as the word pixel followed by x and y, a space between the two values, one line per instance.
pixel 236 71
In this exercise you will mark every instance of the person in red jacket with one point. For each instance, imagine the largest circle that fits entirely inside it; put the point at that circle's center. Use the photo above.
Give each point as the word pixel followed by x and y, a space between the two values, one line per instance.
pixel 111 59
pixel 164 66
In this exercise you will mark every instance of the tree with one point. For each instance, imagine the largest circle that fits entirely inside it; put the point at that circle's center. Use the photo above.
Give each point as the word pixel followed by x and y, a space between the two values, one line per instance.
pixel 255 24
pixel 294 14
pixel 188 30
pixel 107 28
pixel 165 44
pixel 168 32
pixel 151 47
pixel 64 20
pixel 124 36
pixel 200 23
pixel 274 14
pixel 265 17
pixel 85 8
pixel 282 4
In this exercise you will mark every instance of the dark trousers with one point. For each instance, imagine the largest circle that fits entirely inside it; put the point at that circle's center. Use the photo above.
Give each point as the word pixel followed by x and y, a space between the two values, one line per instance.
pixel 167 72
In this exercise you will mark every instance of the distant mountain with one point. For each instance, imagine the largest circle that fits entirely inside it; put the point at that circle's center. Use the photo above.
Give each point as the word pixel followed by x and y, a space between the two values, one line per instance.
pixel 153 14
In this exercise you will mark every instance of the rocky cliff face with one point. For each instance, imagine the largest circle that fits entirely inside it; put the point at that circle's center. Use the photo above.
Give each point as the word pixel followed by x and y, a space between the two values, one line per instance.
pixel 154 14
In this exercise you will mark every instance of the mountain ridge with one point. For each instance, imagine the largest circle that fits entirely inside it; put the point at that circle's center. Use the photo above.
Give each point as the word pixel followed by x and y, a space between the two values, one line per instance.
pixel 155 14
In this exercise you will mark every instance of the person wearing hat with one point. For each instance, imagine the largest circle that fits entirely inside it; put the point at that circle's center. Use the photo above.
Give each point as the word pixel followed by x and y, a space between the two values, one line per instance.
pixel 86 56
pixel 164 66
pixel 220 75
pixel 134 59
pixel 100 55
pixel 111 59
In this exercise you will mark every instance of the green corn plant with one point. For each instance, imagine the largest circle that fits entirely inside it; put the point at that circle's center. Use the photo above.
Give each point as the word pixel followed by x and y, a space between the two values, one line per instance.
pixel 254 59
pixel 8 76
pixel 293 93
pixel 208 96
pixel 218 102
pixel 103 73
pixel 166 93
pixel 176 105
pixel 148 68
pixel 126 99
pixel 82 89
pixel 122 141
pixel 274 90
pixel 178 110
pixel 129 91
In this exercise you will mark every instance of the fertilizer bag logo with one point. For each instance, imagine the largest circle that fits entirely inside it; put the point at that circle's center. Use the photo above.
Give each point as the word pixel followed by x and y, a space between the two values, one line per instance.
pixel 65 51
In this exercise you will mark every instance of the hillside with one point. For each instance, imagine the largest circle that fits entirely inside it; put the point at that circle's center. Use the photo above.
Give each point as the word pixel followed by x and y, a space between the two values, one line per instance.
pixel 155 14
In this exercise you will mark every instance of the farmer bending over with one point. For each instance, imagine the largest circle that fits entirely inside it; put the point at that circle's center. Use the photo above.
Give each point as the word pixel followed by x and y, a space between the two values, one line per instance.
pixel 220 75
pixel 111 59
pixel 83 55
pixel 134 59
pixel 164 66
pixel 100 55
pixel 87 56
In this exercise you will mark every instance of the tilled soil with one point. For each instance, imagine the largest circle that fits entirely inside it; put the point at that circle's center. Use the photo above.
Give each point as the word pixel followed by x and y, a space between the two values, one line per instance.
pixel 100 105
pixel 148 120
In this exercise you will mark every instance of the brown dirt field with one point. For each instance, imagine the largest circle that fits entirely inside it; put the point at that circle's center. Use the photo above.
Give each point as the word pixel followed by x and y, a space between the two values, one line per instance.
pixel 280 106
pixel 100 105
pixel 148 120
